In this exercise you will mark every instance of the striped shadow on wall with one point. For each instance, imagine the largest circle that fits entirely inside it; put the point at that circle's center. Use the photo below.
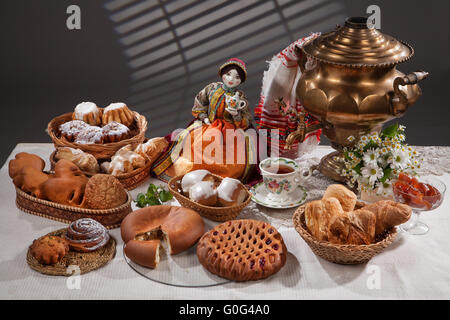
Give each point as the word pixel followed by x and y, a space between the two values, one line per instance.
pixel 174 47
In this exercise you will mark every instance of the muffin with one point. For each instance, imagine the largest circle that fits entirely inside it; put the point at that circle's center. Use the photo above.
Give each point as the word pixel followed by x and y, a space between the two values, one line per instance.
pixel 114 132
pixel 71 129
pixel 49 249
pixel 118 112
pixel 89 113
pixel 90 135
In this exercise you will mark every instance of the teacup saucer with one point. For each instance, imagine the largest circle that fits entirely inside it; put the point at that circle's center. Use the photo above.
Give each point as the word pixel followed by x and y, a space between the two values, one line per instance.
pixel 260 196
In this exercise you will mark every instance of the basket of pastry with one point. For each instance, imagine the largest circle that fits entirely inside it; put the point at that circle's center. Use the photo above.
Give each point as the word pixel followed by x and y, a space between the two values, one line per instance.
pixel 130 165
pixel 214 197
pixel 340 229
pixel 85 243
pixel 67 194
pixel 98 131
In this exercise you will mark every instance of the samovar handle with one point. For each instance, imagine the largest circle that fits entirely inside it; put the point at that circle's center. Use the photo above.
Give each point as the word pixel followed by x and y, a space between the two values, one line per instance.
pixel 410 79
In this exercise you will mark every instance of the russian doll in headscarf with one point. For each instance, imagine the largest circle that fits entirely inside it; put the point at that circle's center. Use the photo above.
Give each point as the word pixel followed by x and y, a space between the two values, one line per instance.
pixel 218 108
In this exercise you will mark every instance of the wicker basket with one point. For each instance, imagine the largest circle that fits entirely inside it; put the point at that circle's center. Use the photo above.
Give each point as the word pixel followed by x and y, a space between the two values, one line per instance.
pixel 341 254
pixel 213 213
pixel 86 261
pixel 99 151
pixel 110 218
pixel 129 180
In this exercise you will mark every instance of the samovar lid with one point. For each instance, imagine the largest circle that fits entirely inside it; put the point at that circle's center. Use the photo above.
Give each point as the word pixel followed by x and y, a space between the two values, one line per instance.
pixel 357 45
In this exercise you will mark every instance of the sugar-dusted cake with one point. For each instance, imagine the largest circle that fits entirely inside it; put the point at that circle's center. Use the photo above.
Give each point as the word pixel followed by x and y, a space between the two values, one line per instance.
pixel 115 131
pixel 71 129
pixel 89 113
pixel 118 112
pixel 90 135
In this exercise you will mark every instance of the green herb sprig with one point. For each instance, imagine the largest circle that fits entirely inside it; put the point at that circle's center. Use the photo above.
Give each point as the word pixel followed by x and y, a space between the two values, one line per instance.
pixel 154 196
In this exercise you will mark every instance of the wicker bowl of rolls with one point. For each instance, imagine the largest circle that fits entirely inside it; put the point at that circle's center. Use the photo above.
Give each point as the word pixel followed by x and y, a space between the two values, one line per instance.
pixel 343 230
pixel 98 131
pixel 66 194
pixel 213 197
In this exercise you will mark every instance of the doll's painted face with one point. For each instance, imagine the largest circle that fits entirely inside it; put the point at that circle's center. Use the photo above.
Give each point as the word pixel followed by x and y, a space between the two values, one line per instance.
pixel 231 78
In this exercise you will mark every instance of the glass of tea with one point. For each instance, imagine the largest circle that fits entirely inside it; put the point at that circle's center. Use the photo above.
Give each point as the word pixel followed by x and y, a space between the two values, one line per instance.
pixel 281 176
pixel 424 195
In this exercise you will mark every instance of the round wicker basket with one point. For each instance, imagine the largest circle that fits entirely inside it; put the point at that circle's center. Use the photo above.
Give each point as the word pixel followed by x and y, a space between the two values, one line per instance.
pixel 110 218
pixel 213 213
pixel 130 180
pixel 341 254
pixel 99 151
pixel 85 261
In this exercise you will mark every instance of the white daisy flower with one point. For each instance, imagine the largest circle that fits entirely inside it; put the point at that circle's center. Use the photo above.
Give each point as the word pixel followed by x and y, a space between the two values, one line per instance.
pixel 351 138
pixel 384 189
pixel 372 173
pixel 400 159
pixel 370 156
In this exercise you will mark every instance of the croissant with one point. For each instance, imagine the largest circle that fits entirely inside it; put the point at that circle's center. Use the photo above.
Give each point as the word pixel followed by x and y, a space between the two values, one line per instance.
pixel 318 215
pixel 354 227
pixel 389 214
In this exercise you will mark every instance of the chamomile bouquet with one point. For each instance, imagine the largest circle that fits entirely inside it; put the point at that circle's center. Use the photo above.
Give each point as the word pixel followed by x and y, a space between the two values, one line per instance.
pixel 376 159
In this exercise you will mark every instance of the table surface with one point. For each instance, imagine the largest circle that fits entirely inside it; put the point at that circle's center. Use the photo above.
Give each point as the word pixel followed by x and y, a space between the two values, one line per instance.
pixel 413 267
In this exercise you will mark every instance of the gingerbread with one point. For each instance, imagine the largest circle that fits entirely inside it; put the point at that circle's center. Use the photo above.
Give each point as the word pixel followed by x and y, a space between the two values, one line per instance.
pixel 67 186
pixel 24 159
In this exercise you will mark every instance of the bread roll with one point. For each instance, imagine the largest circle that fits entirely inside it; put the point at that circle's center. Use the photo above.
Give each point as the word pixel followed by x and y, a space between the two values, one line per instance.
pixel 231 192
pixel 204 193
pixel 389 214
pixel 152 149
pixel 83 160
pixel 346 197
pixel 191 178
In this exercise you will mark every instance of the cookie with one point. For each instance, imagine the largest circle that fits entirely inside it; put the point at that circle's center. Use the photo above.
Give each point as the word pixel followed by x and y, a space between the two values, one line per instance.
pixel 49 249
pixel 242 250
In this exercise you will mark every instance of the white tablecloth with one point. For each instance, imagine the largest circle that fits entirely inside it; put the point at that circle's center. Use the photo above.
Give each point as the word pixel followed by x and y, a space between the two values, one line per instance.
pixel 413 267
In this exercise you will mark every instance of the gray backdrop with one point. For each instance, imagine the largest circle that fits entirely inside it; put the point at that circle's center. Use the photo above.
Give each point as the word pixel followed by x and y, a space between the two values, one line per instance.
pixel 156 55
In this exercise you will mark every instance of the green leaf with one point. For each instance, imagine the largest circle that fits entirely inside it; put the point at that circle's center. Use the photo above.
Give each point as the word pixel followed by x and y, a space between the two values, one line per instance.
pixel 152 190
pixel 370 145
pixel 153 201
pixel 358 167
pixel 386 174
pixel 141 200
pixel 390 131
pixel 165 195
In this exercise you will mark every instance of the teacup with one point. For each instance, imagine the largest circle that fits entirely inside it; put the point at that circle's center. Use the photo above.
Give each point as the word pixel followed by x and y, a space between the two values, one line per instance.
pixel 281 176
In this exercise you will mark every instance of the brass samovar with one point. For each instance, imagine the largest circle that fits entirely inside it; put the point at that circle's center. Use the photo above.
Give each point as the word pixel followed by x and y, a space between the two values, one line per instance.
pixel 351 85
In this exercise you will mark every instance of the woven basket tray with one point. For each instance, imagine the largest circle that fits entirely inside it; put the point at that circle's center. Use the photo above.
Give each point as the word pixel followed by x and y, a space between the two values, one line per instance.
pixel 110 218
pixel 341 254
pixel 86 261
pixel 213 213
pixel 129 180
pixel 99 151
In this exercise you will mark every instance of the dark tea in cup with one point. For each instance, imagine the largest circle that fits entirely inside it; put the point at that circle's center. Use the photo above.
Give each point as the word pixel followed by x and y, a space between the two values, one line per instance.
pixel 279 169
